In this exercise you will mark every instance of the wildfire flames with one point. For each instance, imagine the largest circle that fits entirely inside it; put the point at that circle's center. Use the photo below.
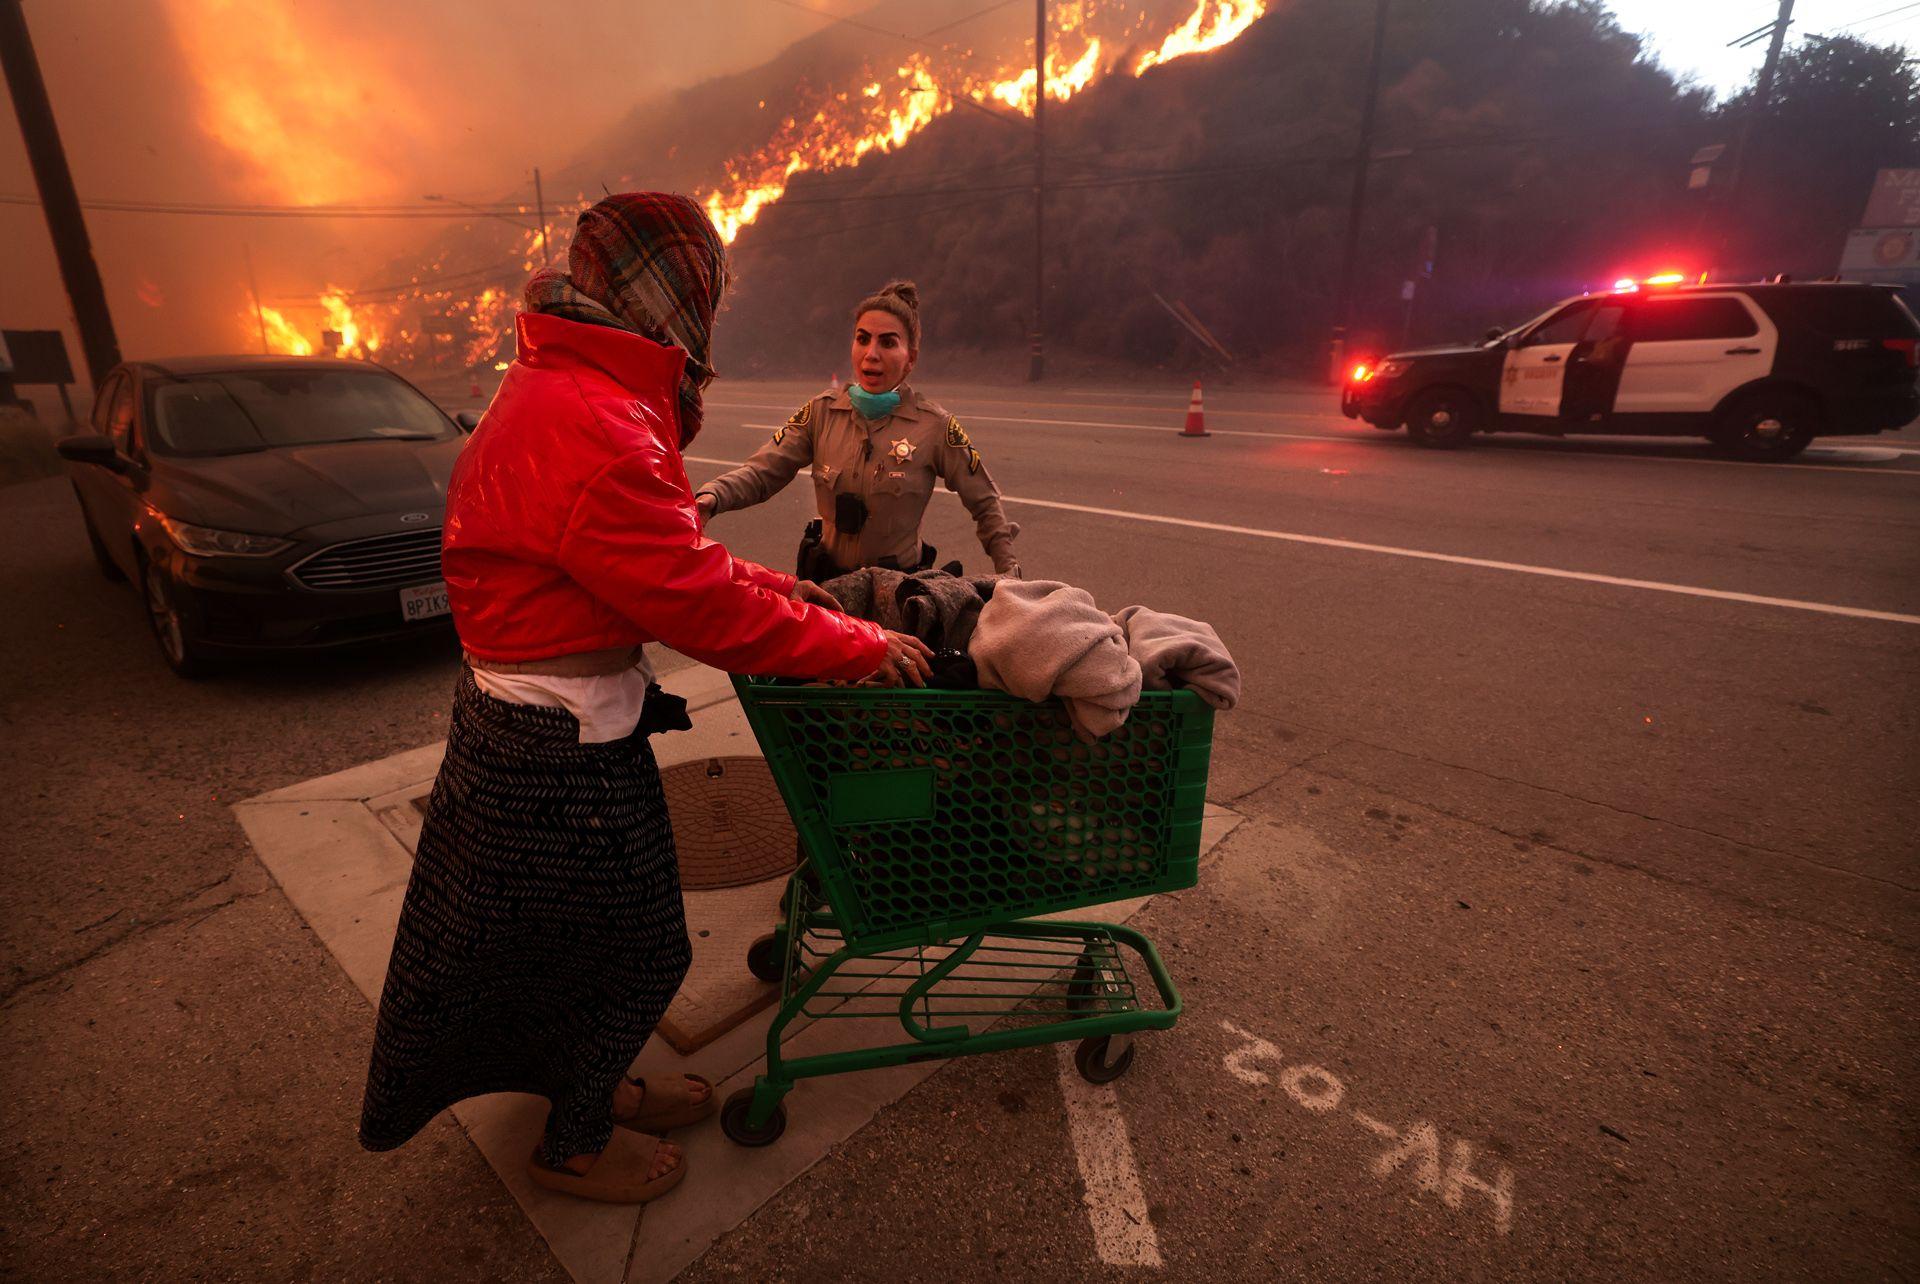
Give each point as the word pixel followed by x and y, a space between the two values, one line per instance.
pixel 278 334
pixel 884 114
pixel 1209 27
pixel 836 129
pixel 341 332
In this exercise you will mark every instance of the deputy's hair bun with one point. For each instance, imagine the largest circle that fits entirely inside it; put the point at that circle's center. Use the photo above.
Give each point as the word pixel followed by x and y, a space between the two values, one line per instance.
pixel 906 291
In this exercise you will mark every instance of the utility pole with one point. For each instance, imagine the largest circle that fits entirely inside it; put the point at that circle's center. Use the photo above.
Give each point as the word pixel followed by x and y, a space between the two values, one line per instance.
pixel 1357 202
pixel 1762 98
pixel 1038 366
pixel 58 200
pixel 540 205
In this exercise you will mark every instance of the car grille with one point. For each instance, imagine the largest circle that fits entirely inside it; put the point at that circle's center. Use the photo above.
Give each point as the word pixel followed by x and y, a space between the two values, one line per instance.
pixel 384 561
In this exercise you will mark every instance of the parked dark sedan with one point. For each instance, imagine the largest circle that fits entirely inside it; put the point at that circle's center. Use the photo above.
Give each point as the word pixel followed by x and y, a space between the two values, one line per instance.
pixel 268 503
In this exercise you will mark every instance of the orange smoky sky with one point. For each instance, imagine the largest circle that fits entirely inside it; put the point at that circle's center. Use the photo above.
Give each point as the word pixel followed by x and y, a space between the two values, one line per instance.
pixel 324 101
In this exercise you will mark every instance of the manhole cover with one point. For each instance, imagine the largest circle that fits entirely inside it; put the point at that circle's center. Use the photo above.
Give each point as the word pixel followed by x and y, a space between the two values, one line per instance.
pixel 729 824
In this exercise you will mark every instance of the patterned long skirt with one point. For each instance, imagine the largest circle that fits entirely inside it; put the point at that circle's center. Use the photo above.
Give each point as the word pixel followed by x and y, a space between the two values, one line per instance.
pixel 542 935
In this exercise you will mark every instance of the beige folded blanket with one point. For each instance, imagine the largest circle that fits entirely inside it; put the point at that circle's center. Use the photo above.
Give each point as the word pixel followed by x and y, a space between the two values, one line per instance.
pixel 1041 638
pixel 1175 651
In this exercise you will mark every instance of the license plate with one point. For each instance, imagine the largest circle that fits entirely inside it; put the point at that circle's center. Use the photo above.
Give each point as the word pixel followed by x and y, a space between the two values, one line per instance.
pixel 423 603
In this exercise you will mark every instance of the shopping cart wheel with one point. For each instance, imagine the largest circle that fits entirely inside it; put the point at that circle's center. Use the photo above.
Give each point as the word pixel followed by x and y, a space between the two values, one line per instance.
pixel 1097 1059
pixel 733 1121
pixel 764 958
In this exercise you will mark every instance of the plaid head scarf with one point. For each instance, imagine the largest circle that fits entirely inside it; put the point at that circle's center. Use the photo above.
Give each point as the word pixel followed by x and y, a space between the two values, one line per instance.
pixel 652 263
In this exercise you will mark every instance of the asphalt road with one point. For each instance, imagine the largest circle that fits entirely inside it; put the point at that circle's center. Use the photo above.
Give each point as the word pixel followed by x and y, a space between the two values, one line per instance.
pixel 1571 929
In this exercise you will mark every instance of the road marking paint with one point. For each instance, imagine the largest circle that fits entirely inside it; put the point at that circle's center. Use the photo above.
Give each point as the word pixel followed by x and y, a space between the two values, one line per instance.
pixel 1455 559
pixel 1123 1234
pixel 1372 437
pixel 1421 1142
pixel 1327 1096
pixel 1484 563
pixel 1416 1147
pixel 1240 1062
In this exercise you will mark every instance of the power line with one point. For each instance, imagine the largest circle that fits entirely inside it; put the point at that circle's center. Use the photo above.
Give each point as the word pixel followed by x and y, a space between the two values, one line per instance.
pixel 1887 25
pixel 1873 16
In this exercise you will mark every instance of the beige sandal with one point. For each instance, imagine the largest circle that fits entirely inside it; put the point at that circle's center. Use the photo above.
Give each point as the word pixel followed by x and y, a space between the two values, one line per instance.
pixel 668 1103
pixel 619 1175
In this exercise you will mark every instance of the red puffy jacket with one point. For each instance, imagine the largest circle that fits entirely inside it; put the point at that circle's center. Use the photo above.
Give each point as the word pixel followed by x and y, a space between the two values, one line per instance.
pixel 571 526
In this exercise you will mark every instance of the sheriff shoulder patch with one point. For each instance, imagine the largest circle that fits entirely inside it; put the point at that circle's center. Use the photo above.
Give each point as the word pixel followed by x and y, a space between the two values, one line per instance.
pixel 957 438
pixel 799 419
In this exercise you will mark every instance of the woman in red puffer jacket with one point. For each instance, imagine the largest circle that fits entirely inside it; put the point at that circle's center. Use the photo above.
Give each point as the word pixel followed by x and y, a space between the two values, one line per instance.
pixel 542 936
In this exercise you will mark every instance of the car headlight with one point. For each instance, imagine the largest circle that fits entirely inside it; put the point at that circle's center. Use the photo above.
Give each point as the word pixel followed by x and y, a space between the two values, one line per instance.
pixel 204 541
pixel 1392 369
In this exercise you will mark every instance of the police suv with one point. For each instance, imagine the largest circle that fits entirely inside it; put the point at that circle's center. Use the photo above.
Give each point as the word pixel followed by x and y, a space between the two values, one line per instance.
pixel 1760 370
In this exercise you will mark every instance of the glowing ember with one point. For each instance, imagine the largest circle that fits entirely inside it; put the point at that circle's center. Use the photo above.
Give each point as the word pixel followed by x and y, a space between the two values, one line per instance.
pixel 488 318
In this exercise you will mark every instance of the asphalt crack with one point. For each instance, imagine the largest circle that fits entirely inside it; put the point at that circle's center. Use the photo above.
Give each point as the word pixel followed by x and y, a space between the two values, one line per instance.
pixel 190 908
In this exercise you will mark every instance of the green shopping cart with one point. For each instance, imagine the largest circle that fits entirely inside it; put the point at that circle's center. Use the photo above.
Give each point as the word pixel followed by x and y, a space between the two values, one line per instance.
pixel 940 831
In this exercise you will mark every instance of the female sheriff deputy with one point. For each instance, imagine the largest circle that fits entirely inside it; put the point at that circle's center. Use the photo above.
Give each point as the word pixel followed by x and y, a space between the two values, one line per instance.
pixel 876 447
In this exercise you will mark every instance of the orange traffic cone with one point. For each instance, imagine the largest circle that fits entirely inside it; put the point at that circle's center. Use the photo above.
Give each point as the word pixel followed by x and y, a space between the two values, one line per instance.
pixel 1196 416
pixel 473 385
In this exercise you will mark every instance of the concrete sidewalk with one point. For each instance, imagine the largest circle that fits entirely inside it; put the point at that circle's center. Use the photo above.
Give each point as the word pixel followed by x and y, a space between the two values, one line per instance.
pixel 340 847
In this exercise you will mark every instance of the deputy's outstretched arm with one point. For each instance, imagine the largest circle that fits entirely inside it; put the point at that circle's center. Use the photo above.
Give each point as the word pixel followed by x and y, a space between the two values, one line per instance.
pixel 771 468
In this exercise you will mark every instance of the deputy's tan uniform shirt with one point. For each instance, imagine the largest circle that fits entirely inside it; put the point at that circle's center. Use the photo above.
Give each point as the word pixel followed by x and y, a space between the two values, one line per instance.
pixel 891 463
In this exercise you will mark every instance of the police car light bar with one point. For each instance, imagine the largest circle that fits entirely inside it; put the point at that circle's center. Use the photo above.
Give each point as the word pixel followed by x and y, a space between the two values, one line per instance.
pixel 1627 285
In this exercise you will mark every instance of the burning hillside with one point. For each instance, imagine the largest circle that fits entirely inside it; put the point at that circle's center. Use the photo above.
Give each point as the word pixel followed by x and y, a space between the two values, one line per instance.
pixel 837 114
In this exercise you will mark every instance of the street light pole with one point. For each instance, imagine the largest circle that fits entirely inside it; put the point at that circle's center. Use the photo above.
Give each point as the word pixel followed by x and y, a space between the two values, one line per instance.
pixel 59 201
pixel 1357 202
pixel 1038 365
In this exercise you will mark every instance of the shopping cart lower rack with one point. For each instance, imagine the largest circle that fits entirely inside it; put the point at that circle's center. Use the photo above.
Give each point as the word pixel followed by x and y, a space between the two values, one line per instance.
pixel 937 828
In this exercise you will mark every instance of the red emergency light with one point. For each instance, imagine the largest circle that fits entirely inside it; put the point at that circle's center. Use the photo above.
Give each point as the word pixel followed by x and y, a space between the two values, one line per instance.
pixel 1361 373
pixel 1628 285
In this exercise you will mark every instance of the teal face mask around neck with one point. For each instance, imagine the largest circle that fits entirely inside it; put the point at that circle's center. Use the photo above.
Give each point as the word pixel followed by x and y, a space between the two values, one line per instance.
pixel 873 405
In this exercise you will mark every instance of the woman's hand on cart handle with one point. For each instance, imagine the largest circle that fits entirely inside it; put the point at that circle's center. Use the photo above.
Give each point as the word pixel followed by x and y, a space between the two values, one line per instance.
pixel 908 662
pixel 809 592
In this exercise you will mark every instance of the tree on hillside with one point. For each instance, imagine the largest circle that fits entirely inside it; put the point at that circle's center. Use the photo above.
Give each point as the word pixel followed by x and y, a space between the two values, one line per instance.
pixel 1840 110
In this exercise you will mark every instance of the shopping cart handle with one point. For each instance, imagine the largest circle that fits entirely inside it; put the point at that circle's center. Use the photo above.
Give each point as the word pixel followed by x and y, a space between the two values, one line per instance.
pixel 928 979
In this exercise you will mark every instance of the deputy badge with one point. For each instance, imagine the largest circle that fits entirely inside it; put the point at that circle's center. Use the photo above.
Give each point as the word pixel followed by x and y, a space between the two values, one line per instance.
pixel 957 438
pixel 901 452
pixel 799 419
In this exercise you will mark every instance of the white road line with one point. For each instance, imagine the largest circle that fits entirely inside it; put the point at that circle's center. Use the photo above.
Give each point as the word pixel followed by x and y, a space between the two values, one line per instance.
pixel 1373 437
pixel 1484 563
pixel 1116 1203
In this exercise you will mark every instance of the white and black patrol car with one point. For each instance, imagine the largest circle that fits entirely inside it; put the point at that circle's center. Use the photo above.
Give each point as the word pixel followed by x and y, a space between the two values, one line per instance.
pixel 1760 370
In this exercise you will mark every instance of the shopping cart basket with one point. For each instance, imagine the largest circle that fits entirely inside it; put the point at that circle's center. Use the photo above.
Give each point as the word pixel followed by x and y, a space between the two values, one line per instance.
pixel 936 829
